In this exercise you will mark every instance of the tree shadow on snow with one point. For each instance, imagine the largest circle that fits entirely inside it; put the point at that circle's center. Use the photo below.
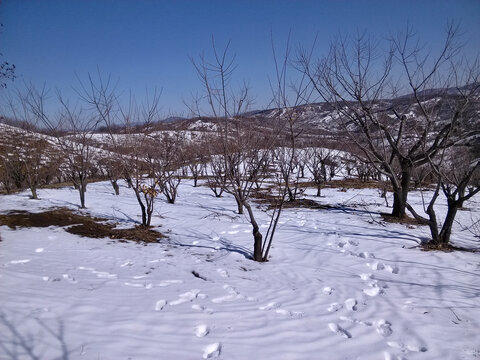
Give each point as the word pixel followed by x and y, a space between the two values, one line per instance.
pixel 32 339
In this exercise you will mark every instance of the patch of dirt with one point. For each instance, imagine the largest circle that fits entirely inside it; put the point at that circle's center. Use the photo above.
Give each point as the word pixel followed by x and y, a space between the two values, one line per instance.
pixel 78 224
pixel 406 220
pixel 445 248
pixel 305 203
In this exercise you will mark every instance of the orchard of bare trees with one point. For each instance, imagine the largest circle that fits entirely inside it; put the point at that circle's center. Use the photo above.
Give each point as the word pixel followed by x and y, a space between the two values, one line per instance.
pixel 404 118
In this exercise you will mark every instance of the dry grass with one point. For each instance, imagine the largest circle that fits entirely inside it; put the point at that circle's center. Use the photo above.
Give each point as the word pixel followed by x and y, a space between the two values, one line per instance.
pixel 406 220
pixel 445 248
pixel 78 224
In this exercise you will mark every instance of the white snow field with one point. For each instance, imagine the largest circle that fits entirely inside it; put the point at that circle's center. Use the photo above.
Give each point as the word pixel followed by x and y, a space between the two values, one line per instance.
pixel 339 285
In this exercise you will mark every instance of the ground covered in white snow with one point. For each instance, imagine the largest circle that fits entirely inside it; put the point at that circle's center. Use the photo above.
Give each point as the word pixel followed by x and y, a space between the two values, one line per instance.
pixel 339 284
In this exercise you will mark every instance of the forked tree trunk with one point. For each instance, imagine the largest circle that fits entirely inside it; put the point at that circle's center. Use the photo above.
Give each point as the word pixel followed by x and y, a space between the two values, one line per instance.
pixel 257 236
pixel 239 205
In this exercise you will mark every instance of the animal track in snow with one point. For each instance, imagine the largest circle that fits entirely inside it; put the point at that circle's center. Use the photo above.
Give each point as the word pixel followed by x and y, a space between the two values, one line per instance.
pixel 212 350
pixel 366 255
pixel 69 278
pixel 160 304
pixel 270 306
pixel 381 266
pixel 339 330
pixel 202 308
pixel 391 269
pixel 406 347
pixel 201 330
pixel 334 307
pixel 366 276
pixel 223 273
pixel 375 265
pixel 351 304
pixel 290 313
pixel 349 319
pixel 232 295
pixel 373 291
pixel 383 327
pixel 328 290
pixel 185 297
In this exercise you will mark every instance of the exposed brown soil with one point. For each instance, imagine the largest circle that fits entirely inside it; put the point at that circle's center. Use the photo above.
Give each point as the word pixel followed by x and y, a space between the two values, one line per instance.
pixel 78 224
pixel 445 248
pixel 406 220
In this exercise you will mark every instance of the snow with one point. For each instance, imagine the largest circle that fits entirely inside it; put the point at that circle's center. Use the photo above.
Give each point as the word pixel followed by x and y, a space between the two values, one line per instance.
pixel 338 285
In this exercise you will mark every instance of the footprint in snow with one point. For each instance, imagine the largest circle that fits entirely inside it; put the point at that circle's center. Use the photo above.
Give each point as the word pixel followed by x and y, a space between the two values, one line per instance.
pixel 366 276
pixel 406 347
pixel 383 327
pixel 202 308
pixel 290 313
pixel 270 306
pixel 69 278
pixel 328 290
pixel 366 255
pixel 223 273
pixel 376 265
pixel 212 351
pixel 201 330
pixel 381 266
pixel 160 304
pixel 373 291
pixel 339 330
pixel 351 320
pixel 334 307
pixel 186 297
pixel 351 304
pixel 232 295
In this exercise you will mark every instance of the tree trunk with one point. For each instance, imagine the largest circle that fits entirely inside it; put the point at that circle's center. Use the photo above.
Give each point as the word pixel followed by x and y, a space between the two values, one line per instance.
pixel 257 236
pixel 81 190
pixel 400 195
pixel 239 205
pixel 33 190
pixel 319 190
pixel 115 187
pixel 444 236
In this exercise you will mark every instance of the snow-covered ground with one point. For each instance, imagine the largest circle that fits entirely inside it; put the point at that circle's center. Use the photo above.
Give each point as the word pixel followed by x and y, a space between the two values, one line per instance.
pixel 339 285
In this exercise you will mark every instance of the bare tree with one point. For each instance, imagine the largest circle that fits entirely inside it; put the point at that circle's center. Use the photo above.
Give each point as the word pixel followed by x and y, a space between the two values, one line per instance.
pixel 72 130
pixel 396 134
pixel 129 130
pixel 243 152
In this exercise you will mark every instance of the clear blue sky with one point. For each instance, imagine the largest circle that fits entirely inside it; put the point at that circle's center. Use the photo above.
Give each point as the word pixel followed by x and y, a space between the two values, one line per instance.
pixel 148 43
